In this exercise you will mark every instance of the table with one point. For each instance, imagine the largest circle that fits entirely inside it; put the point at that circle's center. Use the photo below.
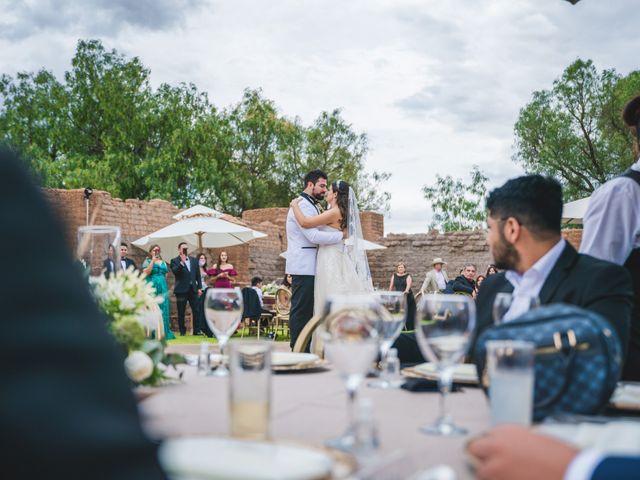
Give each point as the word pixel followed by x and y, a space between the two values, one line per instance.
pixel 311 407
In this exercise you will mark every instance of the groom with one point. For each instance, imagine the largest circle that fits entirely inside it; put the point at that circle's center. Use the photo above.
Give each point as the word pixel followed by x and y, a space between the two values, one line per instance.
pixel 302 249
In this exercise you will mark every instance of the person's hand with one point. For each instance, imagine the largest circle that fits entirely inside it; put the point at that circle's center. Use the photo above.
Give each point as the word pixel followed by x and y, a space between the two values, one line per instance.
pixel 183 258
pixel 295 201
pixel 513 452
pixel 199 292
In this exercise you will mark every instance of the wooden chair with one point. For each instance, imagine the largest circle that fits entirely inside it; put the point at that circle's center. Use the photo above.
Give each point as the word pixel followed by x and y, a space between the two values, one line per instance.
pixel 305 335
pixel 282 306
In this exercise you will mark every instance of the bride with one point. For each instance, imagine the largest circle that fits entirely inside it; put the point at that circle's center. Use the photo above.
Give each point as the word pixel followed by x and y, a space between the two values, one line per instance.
pixel 341 267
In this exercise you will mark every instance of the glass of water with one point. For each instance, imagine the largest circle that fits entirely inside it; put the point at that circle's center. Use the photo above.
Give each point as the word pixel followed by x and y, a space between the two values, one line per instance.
pixel 389 325
pixel 351 345
pixel 444 324
pixel 223 312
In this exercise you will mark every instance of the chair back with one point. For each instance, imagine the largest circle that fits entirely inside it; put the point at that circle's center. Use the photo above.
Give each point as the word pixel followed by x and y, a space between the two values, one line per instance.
pixel 251 304
pixel 305 335
pixel 283 301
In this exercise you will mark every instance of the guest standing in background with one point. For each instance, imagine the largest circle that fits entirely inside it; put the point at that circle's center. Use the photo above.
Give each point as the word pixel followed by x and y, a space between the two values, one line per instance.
pixel 125 261
pixel 491 270
pixel 436 280
pixel 479 281
pixel 187 287
pixel 202 265
pixel 222 271
pixel 156 271
pixel 465 283
pixel 109 264
pixel 401 282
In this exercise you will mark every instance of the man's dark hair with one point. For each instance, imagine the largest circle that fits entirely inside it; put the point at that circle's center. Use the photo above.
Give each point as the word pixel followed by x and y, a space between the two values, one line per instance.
pixel 181 244
pixel 535 201
pixel 255 281
pixel 122 244
pixel 313 176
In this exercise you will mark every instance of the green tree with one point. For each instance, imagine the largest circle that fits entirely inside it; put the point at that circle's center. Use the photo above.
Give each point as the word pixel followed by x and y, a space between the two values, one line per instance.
pixel 104 126
pixel 457 205
pixel 574 132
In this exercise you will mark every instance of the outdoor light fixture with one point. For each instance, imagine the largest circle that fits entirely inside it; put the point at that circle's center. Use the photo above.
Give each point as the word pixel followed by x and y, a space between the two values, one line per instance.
pixel 573 2
pixel 88 192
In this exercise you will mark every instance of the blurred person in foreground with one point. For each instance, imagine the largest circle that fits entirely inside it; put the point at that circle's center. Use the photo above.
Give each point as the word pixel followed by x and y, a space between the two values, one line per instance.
pixel 612 231
pixel 513 452
pixel 66 409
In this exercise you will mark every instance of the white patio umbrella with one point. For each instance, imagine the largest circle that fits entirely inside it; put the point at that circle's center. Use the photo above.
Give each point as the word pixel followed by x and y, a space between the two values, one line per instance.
pixel 573 212
pixel 200 227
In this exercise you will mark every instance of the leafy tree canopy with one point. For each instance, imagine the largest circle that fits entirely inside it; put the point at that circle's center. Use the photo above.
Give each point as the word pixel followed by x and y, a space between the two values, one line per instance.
pixel 574 131
pixel 457 205
pixel 104 126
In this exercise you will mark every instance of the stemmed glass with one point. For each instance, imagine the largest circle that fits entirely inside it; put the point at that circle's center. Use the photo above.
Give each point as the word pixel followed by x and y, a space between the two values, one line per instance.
pixel 98 249
pixel 351 345
pixel 223 312
pixel 388 325
pixel 444 324
pixel 503 302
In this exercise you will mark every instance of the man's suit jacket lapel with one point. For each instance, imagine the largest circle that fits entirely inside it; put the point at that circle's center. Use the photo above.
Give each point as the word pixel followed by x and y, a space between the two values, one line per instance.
pixel 558 274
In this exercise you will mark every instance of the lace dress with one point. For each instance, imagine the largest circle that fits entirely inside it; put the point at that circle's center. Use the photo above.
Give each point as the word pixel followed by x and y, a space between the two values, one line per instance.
pixel 335 274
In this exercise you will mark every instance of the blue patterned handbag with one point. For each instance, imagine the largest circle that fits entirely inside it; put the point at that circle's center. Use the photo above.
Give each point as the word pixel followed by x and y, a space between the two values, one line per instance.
pixel 578 357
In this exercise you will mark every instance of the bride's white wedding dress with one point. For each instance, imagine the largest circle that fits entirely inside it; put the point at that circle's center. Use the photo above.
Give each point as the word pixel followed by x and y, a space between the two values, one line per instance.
pixel 336 273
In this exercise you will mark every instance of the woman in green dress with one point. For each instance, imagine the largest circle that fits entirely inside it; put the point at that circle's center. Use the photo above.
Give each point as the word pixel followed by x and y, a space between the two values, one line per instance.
pixel 156 270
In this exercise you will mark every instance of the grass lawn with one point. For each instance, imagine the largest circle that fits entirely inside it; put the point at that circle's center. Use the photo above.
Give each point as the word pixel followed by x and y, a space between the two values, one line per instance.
pixel 197 339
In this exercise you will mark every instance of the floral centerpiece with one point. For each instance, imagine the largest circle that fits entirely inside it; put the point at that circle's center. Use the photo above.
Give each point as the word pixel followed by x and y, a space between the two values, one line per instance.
pixel 270 288
pixel 131 305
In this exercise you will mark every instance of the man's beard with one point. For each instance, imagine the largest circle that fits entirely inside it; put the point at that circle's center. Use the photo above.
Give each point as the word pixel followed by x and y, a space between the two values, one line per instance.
pixel 318 196
pixel 505 256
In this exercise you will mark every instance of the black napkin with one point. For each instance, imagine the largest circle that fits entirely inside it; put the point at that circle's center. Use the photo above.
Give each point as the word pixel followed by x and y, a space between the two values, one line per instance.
pixel 426 385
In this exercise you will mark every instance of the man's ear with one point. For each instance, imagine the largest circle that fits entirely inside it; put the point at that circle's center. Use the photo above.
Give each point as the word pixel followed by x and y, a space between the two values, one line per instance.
pixel 512 229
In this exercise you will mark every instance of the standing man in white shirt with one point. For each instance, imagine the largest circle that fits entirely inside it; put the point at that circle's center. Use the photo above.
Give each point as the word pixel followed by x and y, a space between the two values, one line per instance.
pixel 436 279
pixel 612 231
pixel 302 249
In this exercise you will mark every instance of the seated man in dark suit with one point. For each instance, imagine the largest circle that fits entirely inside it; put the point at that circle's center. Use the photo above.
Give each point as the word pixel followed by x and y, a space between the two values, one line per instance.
pixel 66 408
pixel 465 283
pixel 524 239
pixel 516 453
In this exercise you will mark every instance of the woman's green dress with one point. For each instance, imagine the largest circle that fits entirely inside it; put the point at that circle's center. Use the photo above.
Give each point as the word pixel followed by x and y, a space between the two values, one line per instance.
pixel 157 279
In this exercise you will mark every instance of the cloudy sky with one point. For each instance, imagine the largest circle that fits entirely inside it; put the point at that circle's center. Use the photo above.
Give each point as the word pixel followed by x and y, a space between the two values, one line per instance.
pixel 436 85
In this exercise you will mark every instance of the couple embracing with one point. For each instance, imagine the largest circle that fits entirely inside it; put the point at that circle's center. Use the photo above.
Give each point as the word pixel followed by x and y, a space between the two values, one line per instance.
pixel 325 249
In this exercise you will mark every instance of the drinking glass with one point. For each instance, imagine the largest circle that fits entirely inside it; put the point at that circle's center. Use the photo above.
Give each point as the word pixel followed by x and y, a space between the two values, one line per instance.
pixel 503 302
pixel 250 389
pixel 98 249
pixel 223 312
pixel 444 324
pixel 351 345
pixel 388 326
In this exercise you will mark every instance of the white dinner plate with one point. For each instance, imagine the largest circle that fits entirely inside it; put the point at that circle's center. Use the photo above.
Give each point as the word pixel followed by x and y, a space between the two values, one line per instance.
pixel 626 396
pixel 282 359
pixel 462 373
pixel 213 458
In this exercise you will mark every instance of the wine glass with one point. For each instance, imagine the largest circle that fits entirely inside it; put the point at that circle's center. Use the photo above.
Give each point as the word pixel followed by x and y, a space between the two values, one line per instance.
pixel 351 345
pixel 388 325
pixel 521 304
pixel 223 312
pixel 98 250
pixel 444 324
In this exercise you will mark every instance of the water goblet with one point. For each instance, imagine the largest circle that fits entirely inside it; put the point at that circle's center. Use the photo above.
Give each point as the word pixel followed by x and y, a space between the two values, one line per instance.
pixel 351 345
pixel 444 324
pixel 504 301
pixel 388 326
pixel 98 249
pixel 223 312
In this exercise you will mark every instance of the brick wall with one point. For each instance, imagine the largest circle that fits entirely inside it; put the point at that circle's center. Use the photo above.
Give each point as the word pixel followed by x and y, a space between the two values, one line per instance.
pixel 262 256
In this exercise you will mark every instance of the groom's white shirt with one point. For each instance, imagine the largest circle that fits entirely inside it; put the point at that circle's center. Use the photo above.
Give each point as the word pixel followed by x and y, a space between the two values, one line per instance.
pixel 302 243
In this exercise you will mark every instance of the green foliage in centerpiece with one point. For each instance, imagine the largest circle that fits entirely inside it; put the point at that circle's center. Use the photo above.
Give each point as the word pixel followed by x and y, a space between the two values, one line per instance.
pixel 131 305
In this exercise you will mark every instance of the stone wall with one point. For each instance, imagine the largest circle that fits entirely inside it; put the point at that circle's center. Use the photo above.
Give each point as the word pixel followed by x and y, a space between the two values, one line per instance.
pixel 262 257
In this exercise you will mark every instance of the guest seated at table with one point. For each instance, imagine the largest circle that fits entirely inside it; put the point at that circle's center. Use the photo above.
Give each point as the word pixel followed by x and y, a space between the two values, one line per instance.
pixel 465 283
pixel 66 409
pixel 524 239
pixel 222 271
pixel 283 299
pixel 517 453
pixel 256 284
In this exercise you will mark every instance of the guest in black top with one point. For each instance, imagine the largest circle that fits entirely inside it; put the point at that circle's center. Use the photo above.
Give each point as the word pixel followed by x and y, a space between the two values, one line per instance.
pixel 401 282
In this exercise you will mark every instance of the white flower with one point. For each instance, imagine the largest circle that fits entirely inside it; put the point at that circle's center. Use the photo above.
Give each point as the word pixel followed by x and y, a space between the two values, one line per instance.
pixel 138 366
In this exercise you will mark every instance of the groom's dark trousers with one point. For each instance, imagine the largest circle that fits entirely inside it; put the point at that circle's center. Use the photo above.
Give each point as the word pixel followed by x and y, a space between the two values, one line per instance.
pixel 301 305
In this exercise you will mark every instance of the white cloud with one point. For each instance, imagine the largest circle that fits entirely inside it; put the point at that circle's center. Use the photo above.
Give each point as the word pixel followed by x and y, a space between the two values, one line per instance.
pixel 436 85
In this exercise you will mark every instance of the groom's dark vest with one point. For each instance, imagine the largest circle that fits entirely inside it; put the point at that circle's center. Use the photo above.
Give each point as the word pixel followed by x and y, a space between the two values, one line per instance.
pixel 632 365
